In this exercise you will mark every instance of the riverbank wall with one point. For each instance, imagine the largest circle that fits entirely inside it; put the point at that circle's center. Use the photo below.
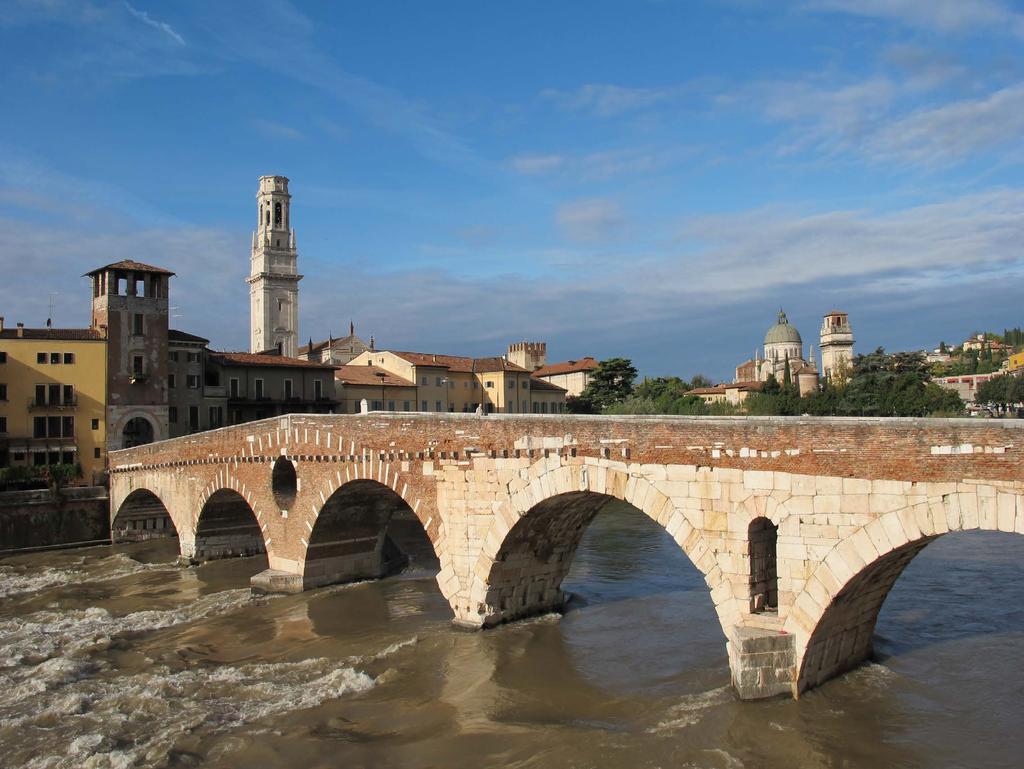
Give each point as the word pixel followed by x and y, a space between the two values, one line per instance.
pixel 40 519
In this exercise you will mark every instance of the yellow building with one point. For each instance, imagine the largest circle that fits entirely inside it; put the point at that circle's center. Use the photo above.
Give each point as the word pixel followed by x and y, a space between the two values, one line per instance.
pixel 734 393
pixel 571 375
pixel 382 390
pixel 53 394
pixel 1016 362
pixel 452 383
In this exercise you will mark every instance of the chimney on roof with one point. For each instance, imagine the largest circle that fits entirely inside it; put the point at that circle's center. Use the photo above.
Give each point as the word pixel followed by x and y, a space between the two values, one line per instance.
pixel 21 330
pixel 1 322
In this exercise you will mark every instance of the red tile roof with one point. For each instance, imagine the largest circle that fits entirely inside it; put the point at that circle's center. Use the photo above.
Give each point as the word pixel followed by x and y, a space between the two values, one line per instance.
pixel 543 384
pixel 132 266
pixel 457 363
pixel 173 335
pixel 70 334
pixel 260 359
pixel 719 389
pixel 367 375
pixel 567 367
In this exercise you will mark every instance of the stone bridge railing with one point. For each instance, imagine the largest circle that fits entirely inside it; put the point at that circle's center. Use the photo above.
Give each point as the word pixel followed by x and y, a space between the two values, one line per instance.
pixel 800 526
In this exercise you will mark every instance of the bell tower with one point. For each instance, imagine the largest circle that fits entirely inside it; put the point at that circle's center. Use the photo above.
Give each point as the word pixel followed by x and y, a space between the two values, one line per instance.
pixel 836 342
pixel 273 276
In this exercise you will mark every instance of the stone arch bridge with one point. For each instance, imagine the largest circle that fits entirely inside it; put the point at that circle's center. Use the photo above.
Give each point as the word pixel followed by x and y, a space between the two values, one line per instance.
pixel 800 526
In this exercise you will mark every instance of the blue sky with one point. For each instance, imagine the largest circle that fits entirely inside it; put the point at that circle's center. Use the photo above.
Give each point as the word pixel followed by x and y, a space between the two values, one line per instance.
pixel 646 179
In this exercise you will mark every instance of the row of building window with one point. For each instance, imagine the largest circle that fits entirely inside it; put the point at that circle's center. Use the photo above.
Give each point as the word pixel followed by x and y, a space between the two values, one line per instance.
pixel 191 357
pixel 216 415
pixel 489 383
pixel 48 394
pixel 287 389
pixel 52 358
pixel 192 381
pixel 53 427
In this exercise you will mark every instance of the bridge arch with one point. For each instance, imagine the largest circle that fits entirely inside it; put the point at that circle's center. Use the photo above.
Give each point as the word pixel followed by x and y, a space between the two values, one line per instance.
pixel 833 618
pixel 365 529
pixel 227 527
pixel 531 543
pixel 142 515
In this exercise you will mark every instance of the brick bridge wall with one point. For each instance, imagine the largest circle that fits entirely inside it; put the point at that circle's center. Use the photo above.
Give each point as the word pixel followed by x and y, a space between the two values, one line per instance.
pixel 504 501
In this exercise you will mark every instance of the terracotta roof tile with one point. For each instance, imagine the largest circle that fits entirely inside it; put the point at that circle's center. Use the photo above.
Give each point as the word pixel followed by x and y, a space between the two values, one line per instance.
pixel 567 367
pixel 173 335
pixel 367 375
pixel 543 384
pixel 260 359
pixel 132 265
pixel 457 363
pixel 70 334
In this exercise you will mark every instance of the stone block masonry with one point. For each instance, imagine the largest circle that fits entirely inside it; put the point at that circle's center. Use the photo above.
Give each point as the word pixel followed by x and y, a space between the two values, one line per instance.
pixel 39 519
pixel 838 507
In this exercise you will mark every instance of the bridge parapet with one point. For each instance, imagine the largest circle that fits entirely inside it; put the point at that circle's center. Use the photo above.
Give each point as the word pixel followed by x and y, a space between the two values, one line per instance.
pixel 786 518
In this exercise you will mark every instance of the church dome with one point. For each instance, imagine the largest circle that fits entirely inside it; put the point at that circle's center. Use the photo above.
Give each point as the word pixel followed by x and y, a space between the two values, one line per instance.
pixel 782 332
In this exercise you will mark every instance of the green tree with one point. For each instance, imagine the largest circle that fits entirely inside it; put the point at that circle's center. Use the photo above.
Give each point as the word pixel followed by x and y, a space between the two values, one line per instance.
pixel 611 383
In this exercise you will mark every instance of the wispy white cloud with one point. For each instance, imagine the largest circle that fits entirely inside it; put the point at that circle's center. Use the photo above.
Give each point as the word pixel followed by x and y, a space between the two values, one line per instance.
pixel 533 164
pixel 149 21
pixel 922 68
pixel 943 135
pixel 275 130
pixel 609 100
pixel 604 164
pixel 939 15
pixel 593 220
pixel 767 249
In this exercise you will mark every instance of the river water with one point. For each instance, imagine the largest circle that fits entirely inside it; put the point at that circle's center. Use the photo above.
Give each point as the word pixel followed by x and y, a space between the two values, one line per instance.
pixel 115 657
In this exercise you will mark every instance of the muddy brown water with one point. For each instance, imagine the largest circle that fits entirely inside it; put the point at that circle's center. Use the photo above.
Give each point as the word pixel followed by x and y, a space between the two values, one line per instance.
pixel 115 657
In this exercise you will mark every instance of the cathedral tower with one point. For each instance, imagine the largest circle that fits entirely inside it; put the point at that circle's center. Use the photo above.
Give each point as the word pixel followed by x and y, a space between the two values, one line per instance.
pixel 836 343
pixel 273 278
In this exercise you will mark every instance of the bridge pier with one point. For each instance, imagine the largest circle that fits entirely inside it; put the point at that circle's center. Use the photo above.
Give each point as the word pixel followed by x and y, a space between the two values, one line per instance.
pixel 762 662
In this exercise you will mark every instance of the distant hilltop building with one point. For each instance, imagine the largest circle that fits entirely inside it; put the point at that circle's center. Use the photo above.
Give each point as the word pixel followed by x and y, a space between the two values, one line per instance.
pixel 783 346
pixel 274 278
pixel 836 343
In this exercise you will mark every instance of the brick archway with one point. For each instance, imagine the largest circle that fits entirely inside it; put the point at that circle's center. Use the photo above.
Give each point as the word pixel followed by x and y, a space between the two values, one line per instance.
pixel 352 535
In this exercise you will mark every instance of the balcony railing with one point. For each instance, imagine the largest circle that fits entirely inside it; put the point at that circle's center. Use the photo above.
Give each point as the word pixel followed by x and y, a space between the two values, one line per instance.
pixel 64 404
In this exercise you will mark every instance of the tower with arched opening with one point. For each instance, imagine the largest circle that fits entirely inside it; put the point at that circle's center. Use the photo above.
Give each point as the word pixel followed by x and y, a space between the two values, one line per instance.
pixel 273 277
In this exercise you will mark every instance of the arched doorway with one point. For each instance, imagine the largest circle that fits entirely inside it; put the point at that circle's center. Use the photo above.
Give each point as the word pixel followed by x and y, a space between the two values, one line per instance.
pixel 227 528
pixel 142 516
pixel 365 530
pixel 762 544
pixel 138 431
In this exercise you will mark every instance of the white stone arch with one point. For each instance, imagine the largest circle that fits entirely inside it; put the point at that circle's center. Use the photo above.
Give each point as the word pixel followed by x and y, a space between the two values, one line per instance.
pixel 609 480
pixel 833 617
